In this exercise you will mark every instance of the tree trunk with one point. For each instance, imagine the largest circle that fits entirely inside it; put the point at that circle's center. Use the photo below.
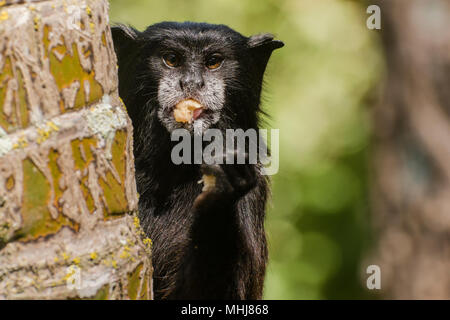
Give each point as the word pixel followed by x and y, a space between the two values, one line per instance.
pixel 411 159
pixel 68 226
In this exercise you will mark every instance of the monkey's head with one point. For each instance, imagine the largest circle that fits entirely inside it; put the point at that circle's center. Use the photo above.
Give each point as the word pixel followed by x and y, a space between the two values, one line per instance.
pixel 212 65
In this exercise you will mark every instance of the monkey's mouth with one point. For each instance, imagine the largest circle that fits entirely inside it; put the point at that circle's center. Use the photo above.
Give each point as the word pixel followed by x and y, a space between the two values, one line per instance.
pixel 197 113
pixel 187 111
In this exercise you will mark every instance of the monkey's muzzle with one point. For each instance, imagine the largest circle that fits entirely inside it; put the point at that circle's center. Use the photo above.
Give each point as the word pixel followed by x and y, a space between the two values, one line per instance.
pixel 187 111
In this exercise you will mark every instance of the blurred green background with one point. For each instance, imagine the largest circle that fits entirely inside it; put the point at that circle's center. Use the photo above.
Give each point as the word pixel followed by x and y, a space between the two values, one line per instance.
pixel 318 92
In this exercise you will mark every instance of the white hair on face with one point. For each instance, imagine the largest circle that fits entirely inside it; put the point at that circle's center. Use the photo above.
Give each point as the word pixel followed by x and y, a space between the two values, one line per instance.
pixel 198 127
pixel 211 97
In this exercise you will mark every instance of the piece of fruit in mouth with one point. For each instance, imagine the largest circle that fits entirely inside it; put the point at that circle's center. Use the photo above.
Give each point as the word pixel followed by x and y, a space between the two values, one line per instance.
pixel 187 110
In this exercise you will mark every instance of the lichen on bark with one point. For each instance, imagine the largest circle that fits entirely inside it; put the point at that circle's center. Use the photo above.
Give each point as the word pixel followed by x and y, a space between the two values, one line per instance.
pixel 67 190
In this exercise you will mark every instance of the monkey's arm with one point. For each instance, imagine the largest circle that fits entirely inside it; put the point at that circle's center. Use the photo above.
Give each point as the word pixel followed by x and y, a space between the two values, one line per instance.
pixel 226 254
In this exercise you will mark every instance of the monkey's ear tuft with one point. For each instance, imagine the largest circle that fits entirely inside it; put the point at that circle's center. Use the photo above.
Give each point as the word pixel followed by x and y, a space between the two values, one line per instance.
pixel 124 32
pixel 261 47
pixel 264 41
pixel 124 37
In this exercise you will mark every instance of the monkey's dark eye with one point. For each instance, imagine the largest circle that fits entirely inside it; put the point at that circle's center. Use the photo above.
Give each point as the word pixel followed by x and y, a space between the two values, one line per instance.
pixel 172 59
pixel 214 61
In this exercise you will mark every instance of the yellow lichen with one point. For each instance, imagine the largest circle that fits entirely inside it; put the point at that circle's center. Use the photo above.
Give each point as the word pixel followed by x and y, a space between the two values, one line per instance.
pixel 137 226
pixel 136 222
pixel 52 125
pixel 148 242
pixel 69 274
pixel 94 255
pixel 122 104
pixel 76 260
pixel 4 16
pixel 21 143
pixel 65 256
pixel 44 133
pixel 36 23
pixel 125 255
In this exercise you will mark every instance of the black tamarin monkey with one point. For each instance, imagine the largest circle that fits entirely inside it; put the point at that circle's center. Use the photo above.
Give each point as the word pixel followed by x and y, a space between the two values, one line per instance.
pixel 207 244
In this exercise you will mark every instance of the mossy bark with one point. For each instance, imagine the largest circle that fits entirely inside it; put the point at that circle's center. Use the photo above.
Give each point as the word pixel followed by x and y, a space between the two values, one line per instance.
pixel 68 225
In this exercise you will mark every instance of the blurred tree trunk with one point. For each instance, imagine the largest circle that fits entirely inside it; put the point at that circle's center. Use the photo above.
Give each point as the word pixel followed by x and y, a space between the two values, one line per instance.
pixel 411 179
pixel 68 198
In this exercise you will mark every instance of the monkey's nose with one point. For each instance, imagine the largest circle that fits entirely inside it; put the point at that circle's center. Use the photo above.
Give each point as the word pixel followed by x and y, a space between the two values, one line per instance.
pixel 192 83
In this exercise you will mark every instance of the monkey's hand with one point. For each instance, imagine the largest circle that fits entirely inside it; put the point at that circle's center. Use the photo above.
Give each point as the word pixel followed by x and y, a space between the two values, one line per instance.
pixel 225 182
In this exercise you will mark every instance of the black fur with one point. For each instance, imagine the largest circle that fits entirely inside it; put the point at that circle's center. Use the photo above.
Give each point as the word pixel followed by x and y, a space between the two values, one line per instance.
pixel 206 245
